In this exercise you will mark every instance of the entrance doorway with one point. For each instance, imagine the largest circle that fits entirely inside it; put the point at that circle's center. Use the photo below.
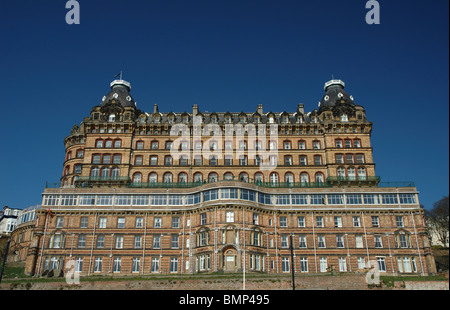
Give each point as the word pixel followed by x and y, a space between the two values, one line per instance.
pixel 230 260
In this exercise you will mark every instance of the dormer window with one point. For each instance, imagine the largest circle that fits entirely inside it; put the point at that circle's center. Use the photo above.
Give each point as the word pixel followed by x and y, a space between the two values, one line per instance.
pixel 242 119
pixel 156 120
pixel 344 118
pixel 285 119
pixel 112 118
pixel 185 120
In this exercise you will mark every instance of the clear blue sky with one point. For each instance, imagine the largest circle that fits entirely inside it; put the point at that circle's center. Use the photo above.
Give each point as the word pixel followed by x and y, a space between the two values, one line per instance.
pixel 224 55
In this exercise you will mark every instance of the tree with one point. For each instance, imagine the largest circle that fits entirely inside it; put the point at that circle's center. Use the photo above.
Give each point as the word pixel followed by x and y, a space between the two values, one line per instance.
pixel 438 220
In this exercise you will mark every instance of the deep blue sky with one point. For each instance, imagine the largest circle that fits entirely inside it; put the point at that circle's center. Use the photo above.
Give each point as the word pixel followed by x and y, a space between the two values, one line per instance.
pixel 224 55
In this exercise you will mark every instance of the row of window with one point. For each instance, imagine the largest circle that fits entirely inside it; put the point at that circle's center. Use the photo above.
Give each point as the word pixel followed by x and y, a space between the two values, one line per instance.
pixel 228 193
pixel 243 176
pixel 230 218
pixel 228 145
pixel 405 264
pixel 57 241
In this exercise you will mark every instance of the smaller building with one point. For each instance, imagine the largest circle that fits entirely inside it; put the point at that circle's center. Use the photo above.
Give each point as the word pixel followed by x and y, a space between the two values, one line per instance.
pixel 8 220
pixel 22 235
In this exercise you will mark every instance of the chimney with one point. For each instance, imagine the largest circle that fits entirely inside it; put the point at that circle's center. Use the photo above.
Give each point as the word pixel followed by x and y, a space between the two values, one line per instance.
pixel 260 109
pixel 194 110
pixel 300 108
pixel 155 108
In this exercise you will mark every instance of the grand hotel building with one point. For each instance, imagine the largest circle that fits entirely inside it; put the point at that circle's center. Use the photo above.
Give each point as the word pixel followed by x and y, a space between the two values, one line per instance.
pixel 135 199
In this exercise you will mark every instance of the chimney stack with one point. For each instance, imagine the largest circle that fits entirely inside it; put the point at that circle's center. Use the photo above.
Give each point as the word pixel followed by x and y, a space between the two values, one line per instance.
pixel 194 110
pixel 260 109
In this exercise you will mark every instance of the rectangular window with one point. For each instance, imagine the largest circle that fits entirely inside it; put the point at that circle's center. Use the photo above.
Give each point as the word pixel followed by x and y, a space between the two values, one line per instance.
pixel 81 241
pixel 68 200
pixel 299 199
pixel 248 195
pixel 321 241
pixel 337 221
pixel 282 199
pixel 174 242
pixel 155 264
pixel 230 217
pixel 136 264
pixel 98 264
pixel 140 200
pixel 158 200
pixel 120 222
pixel 399 221
pixel 342 264
pixel 371 199
pixel 359 241
pixel 335 199
pixel 319 221
pixel 59 222
pixel 105 200
pixel 117 265
pixel 356 221
pixel 389 199
pixel 175 222
pixel 229 193
pixel 174 264
pixel 381 264
pixel 317 199
pixel 157 222
pixel 375 221
pixel 285 264
pixel 211 195
pixel 264 198
pixel 123 200
pixel 340 241
pixel 378 241
pixel 153 160
pixel 156 242
pixel 407 198
pixel 301 221
pixel 175 200
pixel 102 222
pixel 283 221
pixel 354 199
pixel 86 200
pixel 100 241
pixel 119 242
pixel 323 264
pixel 303 264
pixel 83 222
pixel 193 199
pixel 302 241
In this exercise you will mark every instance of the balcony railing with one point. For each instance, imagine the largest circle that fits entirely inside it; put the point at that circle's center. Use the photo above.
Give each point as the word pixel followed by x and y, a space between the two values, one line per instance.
pixel 255 182
pixel 356 180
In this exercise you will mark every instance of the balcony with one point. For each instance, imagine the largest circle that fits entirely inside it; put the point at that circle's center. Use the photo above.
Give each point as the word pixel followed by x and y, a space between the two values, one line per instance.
pixel 99 181
pixel 255 182
pixel 354 181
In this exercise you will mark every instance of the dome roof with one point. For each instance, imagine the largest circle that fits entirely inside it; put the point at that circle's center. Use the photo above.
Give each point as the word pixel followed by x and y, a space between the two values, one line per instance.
pixel 334 91
pixel 120 91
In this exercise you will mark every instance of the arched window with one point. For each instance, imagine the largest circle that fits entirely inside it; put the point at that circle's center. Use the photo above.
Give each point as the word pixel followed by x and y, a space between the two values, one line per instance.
pixel 228 176
pixel 198 177
pixel 304 177
pixel 319 177
pixel 362 173
pixel 152 178
pixel 243 177
pixel 105 172
pixel 95 171
pixel 137 177
pixel 117 143
pixel 259 177
pixel 289 178
pixel 99 143
pixel 182 178
pixel 351 173
pixel 212 177
pixel 274 178
pixel 108 143
pixel 340 172
pixel 115 172
pixel 167 177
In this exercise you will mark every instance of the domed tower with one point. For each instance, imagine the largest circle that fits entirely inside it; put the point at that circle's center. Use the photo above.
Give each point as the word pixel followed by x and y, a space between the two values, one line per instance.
pixel 338 105
pixel 120 93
